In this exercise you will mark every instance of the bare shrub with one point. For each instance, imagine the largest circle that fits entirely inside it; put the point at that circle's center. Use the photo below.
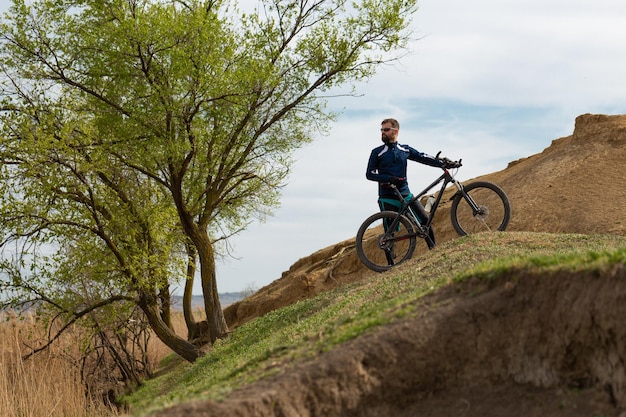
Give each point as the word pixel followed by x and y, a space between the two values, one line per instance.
pixel 72 378
pixel 46 384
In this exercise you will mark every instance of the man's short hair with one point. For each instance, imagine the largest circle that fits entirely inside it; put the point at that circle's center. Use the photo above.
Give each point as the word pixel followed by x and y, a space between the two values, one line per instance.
pixel 394 123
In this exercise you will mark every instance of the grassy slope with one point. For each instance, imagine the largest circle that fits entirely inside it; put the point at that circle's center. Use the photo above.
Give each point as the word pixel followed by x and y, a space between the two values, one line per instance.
pixel 301 331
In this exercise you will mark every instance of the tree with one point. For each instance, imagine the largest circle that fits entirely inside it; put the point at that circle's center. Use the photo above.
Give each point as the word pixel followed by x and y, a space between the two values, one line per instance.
pixel 196 102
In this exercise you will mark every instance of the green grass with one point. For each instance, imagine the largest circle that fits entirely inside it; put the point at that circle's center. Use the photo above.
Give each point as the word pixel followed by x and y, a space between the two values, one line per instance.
pixel 301 331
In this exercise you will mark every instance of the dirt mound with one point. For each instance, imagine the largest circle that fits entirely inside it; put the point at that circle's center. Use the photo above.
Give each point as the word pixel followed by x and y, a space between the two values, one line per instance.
pixel 574 186
pixel 514 348
pixel 539 346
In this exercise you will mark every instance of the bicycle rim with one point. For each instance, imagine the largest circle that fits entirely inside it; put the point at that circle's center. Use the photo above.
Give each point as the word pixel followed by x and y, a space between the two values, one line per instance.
pixel 380 250
pixel 494 209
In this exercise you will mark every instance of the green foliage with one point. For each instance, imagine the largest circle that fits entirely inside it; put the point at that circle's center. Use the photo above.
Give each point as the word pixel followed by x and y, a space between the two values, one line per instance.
pixel 129 129
pixel 179 93
pixel 302 331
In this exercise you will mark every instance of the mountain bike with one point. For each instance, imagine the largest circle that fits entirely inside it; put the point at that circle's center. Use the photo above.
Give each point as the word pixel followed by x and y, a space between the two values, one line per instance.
pixel 389 238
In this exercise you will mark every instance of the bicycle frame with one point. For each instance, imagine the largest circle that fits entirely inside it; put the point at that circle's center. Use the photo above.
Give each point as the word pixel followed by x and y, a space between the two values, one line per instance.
pixel 475 207
pixel 446 178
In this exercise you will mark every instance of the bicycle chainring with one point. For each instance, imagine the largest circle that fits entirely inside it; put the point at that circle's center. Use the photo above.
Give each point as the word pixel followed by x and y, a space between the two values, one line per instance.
pixel 385 242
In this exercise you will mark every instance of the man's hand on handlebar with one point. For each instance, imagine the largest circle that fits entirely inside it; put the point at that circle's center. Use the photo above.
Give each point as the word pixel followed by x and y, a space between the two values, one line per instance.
pixel 448 163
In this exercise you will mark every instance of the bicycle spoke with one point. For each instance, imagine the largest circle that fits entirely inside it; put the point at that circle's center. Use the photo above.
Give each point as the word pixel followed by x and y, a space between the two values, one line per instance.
pixel 482 216
pixel 380 250
pixel 493 209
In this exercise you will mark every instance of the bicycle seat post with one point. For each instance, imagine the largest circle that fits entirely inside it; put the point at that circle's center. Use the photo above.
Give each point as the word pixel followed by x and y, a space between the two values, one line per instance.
pixel 395 190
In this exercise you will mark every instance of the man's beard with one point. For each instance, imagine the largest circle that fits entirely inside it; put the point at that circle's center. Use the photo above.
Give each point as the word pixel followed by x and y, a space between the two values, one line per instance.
pixel 385 139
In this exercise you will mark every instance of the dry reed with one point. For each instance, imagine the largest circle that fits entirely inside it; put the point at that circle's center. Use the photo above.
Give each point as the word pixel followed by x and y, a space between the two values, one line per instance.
pixel 49 383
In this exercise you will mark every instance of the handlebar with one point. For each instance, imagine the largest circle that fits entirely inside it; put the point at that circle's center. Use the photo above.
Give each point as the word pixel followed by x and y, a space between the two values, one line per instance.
pixel 448 163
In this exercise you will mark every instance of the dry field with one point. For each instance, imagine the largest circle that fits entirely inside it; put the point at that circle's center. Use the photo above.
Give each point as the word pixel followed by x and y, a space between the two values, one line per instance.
pixel 49 383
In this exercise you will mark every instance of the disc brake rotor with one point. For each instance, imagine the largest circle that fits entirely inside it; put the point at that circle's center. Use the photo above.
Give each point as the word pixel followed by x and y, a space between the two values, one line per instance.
pixel 483 213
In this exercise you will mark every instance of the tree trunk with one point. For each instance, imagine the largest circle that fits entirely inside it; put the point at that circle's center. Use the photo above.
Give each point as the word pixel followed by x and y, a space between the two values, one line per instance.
pixel 194 329
pixel 149 305
pixel 166 305
pixel 199 237
pixel 215 316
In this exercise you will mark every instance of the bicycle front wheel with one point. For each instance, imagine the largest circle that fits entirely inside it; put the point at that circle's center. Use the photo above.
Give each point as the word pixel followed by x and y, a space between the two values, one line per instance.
pixel 382 245
pixel 491 211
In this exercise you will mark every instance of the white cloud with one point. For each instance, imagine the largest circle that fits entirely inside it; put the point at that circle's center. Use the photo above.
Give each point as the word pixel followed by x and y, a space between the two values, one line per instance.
pixel 513 53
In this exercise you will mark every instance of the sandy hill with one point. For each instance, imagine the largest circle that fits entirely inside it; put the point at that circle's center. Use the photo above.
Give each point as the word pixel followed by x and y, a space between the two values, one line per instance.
pixel 532 347
pixel 576 185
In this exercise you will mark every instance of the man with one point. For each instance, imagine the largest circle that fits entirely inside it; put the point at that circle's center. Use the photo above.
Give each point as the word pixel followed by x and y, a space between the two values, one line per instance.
pixel 387 165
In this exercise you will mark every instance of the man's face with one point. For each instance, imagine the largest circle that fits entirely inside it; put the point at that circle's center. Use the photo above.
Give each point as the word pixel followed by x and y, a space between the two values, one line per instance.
pixel 388 133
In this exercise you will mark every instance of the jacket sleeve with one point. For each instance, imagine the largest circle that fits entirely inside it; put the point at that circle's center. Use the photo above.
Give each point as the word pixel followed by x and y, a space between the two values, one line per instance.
pixel 425 159
pixel 372 169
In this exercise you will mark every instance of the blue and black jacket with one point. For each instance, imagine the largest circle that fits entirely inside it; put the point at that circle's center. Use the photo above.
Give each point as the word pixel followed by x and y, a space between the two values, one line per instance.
pixel 390 160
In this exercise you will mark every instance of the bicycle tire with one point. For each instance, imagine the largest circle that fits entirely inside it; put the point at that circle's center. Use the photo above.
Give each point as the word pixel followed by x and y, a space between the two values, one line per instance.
pixel 494 205
pixel 373 244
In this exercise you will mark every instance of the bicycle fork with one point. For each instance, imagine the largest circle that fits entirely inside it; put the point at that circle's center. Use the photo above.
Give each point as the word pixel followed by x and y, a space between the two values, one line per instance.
pixel 479 212
pixel 461 192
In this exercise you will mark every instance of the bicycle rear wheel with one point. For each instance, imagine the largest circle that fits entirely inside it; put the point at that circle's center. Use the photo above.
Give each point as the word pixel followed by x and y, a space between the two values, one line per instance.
pixel 380 250
pixel 494 209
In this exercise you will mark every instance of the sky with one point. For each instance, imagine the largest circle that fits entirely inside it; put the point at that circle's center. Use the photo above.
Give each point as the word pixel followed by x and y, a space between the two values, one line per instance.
pixel 488 81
